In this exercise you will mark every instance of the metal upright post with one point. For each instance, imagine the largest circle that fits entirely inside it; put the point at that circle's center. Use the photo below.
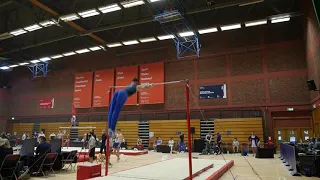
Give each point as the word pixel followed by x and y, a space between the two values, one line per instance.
pixel 189 131
pixel 108 138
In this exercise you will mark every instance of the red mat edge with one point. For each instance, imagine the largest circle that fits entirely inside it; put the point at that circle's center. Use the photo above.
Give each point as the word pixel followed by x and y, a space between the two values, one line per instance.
pixel 216 175
pixel 199 172
pixel 124 153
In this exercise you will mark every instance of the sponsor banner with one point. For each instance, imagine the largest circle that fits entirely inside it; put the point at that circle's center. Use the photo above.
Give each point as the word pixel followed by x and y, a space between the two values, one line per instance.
pixel 213 92
pixel 124 76
pixel 47 103
pixel 102 82
pixel 152 73
pixel 82 93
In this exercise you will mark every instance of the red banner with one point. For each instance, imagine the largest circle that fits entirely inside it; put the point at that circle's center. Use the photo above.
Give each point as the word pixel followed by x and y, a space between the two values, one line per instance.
pixel 82 93
pixel 123 78
pixel 102 82
pixel 46 103
pixel 152 73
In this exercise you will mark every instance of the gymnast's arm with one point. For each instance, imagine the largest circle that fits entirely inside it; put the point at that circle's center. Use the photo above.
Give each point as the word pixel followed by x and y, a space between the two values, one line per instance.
pixel 144 86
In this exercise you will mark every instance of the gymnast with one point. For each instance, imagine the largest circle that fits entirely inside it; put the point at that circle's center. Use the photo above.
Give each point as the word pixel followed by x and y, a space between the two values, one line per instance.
pixel 119 99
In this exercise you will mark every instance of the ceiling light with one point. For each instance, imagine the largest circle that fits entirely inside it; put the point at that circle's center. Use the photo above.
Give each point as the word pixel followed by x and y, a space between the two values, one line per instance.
pixel 165 37
pixel 132 3
pixel 4 67
pixel 22 64
pixel 154 0
pixel 114 45
pixel 48 23
pixel 109 8
pixel 131 42
pixel 18 32
pixel 95 48
pixel 256 23
pixel 280 19
pixel 230 27
pixel 187 33
pixel 56 56
pixel 81 51
pixel 208 30
pixel 69 17
pixel 32 27
pixel 69 53
pixel 35 61
pixel 12 66
pixel 45 59
pixel 149 39
pixel 89 13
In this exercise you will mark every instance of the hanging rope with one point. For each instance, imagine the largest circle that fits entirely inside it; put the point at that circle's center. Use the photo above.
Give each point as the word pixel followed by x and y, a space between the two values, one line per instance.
pixel 202 114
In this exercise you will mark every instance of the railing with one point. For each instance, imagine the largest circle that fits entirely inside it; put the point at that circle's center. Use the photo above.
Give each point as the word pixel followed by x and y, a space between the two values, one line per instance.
pixel 288 156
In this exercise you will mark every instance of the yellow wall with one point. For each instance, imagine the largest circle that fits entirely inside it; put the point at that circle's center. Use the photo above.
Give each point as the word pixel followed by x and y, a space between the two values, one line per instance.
pixel 23 127
pixel 54 127
pixel 240 128
pixel 168 128
pixel 316 121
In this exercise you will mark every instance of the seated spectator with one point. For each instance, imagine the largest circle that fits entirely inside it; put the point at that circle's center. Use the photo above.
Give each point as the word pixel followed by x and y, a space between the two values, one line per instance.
pixel 5 149
pixel 123 144
pixel 43 147
pixel 52 136
pixel 139 144
pixel 159 141
pixel 235 145
pixel 171 144
pixel 317 144
pixel 41 134
pixel 24 136
pixel 4 136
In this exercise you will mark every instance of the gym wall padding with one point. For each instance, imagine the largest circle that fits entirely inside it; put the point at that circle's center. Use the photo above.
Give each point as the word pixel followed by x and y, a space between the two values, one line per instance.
pixel 168 128
pixel 23 127
pixel 54 128
pixel 240 128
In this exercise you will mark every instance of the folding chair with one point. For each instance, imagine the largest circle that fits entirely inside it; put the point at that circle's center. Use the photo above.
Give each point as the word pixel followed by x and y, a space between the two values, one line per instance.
pixel 70 160
pixel 9 166
pixel 48 163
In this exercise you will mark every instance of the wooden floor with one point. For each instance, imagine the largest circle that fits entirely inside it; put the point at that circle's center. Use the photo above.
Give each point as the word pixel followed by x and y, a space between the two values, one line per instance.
pixel 267 169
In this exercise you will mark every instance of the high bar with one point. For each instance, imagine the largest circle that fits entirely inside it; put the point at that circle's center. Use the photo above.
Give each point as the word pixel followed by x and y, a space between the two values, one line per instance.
pixel 77 127
pixel 160 83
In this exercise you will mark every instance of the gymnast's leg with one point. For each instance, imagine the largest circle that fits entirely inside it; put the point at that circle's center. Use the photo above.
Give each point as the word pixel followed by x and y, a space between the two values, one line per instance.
pixel 117 102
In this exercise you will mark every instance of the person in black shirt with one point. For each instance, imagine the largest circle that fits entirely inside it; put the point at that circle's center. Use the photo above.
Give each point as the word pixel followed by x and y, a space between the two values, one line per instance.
pixel 5 149
pixel 43 147
pixel 103 142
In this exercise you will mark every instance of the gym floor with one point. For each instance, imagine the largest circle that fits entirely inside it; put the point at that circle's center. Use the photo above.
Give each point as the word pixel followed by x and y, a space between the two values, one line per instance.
pixel 267 169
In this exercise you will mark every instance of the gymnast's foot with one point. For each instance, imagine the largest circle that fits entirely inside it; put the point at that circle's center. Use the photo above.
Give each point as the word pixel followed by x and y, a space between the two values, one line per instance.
pixel 110 132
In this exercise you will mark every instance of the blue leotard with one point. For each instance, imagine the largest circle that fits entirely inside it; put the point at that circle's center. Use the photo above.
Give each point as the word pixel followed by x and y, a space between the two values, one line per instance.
pixel 131 89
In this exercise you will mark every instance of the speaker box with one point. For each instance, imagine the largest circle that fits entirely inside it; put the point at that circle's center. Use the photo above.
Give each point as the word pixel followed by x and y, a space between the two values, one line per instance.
pixel 198 145
pixel 192 130
pixel 311 85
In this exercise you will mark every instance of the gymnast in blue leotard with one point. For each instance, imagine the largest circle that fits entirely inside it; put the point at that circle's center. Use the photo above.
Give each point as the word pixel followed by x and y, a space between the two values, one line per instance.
pixel 119 99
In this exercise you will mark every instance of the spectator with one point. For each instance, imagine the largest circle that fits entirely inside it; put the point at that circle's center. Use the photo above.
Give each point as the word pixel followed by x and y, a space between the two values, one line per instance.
pixel 41 134
pixel 255 141
pixel 59 135
pixel 209 142
pixel 171 144
pixel 43 147
pixel 24 136
pixel 235 145
pixel 103 142
pixel 219 141
pixel 92 147
pixel 317 144
pixel 52 135
pixel 5 149
pixel 4 136
pixel 123 144
pixel 159 141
